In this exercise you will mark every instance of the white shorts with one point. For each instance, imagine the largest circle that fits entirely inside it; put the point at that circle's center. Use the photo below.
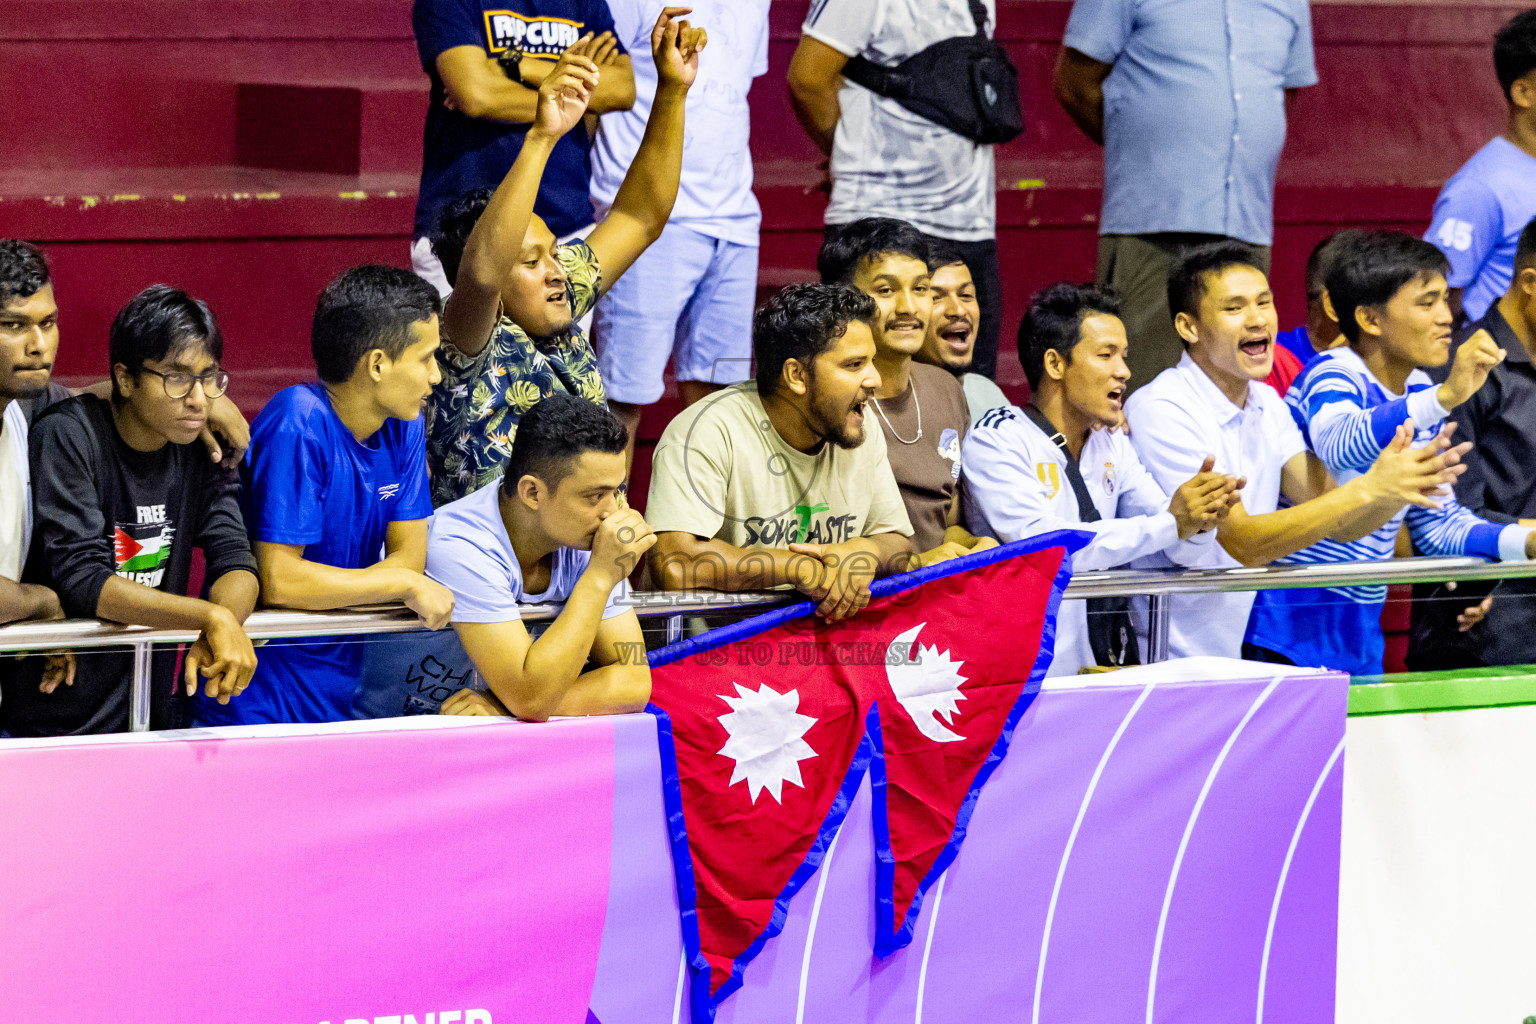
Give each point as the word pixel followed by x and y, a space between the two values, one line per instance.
pixel 688 298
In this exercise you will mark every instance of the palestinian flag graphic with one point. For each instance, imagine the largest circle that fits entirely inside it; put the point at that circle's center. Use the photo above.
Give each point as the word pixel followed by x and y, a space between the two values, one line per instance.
pixel 143 554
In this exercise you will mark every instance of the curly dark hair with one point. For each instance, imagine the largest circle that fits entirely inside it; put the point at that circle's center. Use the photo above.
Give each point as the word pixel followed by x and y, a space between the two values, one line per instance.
pixel 454 223
pixel 800 323
pixel 23 270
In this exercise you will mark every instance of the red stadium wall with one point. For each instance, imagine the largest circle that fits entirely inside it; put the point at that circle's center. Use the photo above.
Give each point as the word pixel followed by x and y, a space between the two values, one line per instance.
pixel 248 150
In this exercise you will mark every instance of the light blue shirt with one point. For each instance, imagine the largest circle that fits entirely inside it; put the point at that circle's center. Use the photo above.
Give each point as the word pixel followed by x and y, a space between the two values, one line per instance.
pixel 1478 220
pixel 1194 110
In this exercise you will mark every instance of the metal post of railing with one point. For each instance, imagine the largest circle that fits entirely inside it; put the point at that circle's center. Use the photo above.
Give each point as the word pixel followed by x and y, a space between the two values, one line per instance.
pixel 1157 628
pixel 674 628
pixel 138 699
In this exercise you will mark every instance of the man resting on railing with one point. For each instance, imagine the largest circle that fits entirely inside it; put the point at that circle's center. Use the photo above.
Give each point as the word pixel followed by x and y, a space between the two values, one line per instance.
pixel 782 481
pixel 337 471
pixel 555 530
pixel 1390 292
pixel 123 494
pixel 29 340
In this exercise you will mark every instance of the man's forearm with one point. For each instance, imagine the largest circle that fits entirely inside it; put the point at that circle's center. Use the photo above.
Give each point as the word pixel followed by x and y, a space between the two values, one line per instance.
pixel 650 186
pixel 554 661
pixel 818 112
pixel 310 586
pixel 25 601
pixel 715 565
pixel 609 690
pixel 1345 514
pixel 236 590
pixel 138 605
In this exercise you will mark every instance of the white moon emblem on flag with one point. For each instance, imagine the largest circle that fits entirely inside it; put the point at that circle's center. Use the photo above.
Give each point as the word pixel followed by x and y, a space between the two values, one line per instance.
pixel 927 685
pixel 765 731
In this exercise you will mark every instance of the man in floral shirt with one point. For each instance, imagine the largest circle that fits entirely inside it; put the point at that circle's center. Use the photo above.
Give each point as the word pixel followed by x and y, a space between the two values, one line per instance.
pixel 510 325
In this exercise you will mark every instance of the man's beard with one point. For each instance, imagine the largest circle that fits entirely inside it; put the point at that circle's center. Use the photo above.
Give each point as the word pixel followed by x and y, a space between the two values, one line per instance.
pixel 832 425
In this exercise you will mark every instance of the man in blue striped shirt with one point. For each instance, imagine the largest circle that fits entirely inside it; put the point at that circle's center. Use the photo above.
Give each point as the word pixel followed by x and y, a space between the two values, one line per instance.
pixel 1389 290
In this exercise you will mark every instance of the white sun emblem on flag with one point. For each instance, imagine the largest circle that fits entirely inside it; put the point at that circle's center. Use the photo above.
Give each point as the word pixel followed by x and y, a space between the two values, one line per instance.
pixel 765 730
pixel 927 684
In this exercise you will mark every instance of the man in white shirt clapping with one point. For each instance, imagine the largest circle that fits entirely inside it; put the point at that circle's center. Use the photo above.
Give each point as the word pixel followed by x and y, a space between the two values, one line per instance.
pixel 1019 479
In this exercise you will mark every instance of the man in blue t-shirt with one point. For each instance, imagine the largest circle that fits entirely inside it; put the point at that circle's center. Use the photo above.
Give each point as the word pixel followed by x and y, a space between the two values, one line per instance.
pixel 1482 208
pixel 555 530
pixel 486 59
pixel 337 473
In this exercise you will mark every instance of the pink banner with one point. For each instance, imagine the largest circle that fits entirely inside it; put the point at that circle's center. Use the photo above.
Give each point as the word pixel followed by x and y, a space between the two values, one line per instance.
pixel 364 876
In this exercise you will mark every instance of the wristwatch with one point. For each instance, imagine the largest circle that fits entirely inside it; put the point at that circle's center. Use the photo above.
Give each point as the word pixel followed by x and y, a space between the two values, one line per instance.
pixel 511 61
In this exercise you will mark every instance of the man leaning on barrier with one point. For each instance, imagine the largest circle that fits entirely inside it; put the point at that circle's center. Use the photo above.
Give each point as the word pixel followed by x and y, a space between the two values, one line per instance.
pixel 1060 464
pixel 556 530
pixel 1214 404
pixel 123 493
pixel 336 474
pixel 779 482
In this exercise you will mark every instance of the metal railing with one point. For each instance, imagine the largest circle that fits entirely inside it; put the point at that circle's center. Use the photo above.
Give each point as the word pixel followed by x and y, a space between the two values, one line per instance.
pixel 1154 584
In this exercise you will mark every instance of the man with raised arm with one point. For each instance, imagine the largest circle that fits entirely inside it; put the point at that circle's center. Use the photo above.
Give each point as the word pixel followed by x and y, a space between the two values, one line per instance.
pixel 336 473
pixel 1059 464
pixel 123 493
pixel 1393 301
pixel 781 482
pixel 887 260
pixel 510 326
pixel 555 531
pixel 1214 404
pixel 486 60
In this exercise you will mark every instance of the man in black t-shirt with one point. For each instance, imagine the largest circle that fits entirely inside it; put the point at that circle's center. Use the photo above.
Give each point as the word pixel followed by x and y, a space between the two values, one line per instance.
pixel 122 495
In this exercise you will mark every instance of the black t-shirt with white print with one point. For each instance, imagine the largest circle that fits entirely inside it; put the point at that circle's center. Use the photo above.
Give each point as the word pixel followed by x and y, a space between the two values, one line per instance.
pixel 102 508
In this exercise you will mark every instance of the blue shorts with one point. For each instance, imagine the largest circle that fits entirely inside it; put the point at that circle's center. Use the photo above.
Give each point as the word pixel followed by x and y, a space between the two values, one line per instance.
pixel 689 297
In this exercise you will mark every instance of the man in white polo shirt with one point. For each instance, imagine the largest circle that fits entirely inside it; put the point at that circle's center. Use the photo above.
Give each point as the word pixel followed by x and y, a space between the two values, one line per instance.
pixel 1033 470
pixel 1213 403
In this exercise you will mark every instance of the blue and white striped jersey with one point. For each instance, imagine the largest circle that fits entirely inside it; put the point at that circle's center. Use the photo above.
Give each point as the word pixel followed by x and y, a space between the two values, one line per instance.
pixel 1348 416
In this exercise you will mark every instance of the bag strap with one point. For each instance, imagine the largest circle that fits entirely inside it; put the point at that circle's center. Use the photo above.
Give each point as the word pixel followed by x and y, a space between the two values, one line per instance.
pixel 979 16
pixel 1086 510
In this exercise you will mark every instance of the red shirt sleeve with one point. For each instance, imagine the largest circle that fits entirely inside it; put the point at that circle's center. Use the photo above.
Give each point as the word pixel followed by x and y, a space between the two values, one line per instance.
pixel 1285 370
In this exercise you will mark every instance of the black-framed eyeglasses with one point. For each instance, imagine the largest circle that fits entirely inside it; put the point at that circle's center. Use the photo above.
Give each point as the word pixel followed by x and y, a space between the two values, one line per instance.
pixel 179 385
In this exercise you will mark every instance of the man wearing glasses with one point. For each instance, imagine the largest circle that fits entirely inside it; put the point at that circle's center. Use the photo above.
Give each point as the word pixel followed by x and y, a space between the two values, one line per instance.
pixel 123 493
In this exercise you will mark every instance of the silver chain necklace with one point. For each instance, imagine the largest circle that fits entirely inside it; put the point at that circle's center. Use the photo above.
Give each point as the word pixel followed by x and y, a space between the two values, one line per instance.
pixel 916 405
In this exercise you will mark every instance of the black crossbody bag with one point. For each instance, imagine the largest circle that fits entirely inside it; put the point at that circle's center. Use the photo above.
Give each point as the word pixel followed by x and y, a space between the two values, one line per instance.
pixel 966 84
pixel 1109 618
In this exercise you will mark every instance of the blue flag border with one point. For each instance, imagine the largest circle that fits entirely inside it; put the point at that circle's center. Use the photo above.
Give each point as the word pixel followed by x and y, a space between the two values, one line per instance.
pixel 869 757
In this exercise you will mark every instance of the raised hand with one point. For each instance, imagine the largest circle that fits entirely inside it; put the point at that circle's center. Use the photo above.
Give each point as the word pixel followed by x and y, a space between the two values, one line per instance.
pixel 675 47
pixel 566 91
pixel 1474 359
